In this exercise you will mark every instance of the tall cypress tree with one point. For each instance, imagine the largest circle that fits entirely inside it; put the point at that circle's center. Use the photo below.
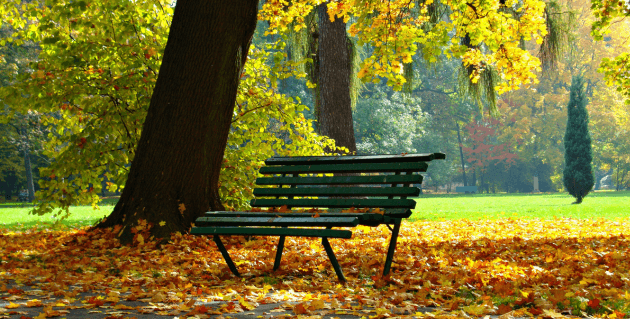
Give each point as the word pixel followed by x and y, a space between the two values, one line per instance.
pixel 578 174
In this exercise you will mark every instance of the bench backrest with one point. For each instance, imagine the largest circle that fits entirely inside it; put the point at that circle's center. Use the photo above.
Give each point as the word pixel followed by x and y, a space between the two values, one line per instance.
pixel 300 181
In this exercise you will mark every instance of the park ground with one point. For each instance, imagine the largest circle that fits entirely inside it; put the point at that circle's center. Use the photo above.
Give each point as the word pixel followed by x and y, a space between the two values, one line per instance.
pixel 499 255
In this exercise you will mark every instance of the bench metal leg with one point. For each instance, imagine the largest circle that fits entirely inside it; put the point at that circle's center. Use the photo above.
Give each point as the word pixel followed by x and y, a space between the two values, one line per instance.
pixel 333 259
pixel 226 256
pixel 276 264
pixel 392 247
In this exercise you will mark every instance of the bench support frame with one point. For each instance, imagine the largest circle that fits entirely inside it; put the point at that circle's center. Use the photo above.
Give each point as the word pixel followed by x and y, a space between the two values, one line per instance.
pixel 276 263
pixel 392 247
pixel 226 256
pixel 329 251
pixel 333 259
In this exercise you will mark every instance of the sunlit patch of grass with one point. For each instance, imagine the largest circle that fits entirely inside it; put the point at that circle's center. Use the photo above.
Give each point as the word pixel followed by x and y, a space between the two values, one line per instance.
pixel 19 219
pixel 608 205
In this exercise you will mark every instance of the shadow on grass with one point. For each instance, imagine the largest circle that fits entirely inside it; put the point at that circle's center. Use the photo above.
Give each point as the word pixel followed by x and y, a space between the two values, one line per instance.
pixel 42 225
pixel 109 201
pixel 15 205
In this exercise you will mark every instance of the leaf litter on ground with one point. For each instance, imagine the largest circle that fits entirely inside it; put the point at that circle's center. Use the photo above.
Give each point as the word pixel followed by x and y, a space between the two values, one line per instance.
pixel 457 268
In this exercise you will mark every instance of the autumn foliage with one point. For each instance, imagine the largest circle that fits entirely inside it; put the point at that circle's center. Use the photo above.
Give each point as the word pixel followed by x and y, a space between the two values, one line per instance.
pixel 485 148
pixel 510 267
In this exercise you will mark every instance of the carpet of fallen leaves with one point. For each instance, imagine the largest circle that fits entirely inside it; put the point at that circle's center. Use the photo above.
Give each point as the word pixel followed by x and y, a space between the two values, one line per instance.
pixel 507 268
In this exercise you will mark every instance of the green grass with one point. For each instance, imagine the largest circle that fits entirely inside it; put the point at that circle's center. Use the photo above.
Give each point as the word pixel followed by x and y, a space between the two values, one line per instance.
pixel 15 204
pixel 609 205
pixel 15 216
pixel 605 204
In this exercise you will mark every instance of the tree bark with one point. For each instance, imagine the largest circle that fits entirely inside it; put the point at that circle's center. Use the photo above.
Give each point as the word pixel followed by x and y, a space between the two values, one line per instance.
pixel 26 149
pixel 174 177
pixel 334 113
pixel 461 154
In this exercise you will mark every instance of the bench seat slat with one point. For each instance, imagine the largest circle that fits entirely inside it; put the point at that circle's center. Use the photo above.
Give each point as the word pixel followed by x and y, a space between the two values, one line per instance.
pixel 346 168
pixel 361 218
pixel 340 180
pixel 333 212
pixel 388 213
pixel 268 231
pixel 338 191
pixel 319 160
pixel 335 203
pixel 322 221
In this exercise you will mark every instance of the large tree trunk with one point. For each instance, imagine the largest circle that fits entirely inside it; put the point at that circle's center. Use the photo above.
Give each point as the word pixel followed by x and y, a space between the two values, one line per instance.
pixel 334 112
pixel 175 173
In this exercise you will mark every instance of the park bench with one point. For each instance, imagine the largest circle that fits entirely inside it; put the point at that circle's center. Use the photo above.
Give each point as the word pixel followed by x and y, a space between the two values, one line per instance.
pixel 466 189
pixel 332 191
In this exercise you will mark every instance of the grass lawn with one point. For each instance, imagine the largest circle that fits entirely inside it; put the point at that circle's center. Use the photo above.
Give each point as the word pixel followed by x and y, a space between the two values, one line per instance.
pixel 19 218
pixel 15 216
pixel 609 205
pixel 605 204
pixel 14 204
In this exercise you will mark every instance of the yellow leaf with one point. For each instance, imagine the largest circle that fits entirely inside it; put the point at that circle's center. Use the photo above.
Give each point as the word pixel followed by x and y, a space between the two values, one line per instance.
pixel 407 58
pixel 162 223
pixel 246 305
pixel 123 307
pixel 140 239
pixel 549 313
pixel 362 73
pixel 316 305
pixel 476 310
pixel 182 208
pixel 34 303
pixel 158 297
pixel 300 309
pixel 12 306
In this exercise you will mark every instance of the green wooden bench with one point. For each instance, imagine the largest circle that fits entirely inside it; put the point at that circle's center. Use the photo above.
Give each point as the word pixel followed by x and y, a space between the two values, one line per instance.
pixel 366 184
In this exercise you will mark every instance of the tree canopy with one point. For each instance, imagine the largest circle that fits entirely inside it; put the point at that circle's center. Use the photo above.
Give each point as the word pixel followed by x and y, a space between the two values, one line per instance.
pixel 93 82
pixel 399 29
pixel 616 69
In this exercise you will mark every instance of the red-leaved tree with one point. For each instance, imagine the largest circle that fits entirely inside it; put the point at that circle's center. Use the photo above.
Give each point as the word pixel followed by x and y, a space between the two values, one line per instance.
pixel 485 149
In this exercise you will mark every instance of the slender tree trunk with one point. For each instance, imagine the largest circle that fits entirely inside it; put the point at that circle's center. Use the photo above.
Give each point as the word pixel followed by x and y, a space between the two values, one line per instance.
pixel 461 154
pixel 618 182
pixel 30 186
pixel 174 177
pixel 334 109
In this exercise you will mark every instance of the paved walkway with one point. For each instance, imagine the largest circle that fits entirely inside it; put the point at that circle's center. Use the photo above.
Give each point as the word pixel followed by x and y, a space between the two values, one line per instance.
pixel 22 302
